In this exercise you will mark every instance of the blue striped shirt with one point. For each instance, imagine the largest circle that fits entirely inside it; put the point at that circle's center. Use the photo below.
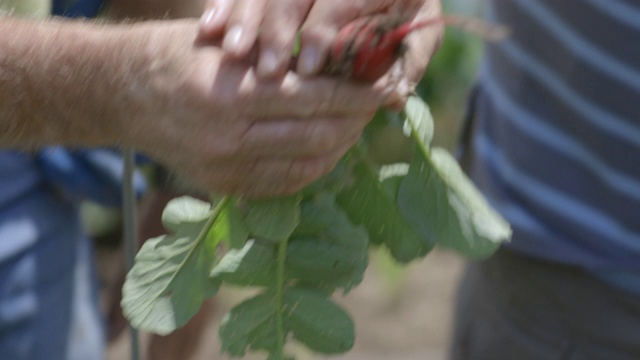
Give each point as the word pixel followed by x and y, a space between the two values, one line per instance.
pixel 77 8
pixel 557 132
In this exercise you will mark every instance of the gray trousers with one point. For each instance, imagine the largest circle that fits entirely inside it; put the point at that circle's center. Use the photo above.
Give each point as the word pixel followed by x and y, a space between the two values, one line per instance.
pixel 512 307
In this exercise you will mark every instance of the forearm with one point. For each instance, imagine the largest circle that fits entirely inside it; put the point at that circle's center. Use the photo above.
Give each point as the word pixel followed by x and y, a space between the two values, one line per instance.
pixel 62 82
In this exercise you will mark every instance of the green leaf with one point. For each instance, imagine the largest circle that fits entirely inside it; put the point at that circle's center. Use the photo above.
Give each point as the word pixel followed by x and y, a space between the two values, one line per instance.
pixel 184 210
pixel 253 265
pixel 324 264
pixel 439 200
pixel 328 183
pixel 327 250
pixel 168 282
pixel 384 140
pixel 316 215
pixel 317 322
pixel 249 325
pixel 421 120
pixel 273 219
pixel 230 227
pixel 371 203
pixel 170 277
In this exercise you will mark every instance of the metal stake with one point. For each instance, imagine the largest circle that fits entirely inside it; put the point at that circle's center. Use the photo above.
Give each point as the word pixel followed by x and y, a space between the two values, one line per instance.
pixel 130 230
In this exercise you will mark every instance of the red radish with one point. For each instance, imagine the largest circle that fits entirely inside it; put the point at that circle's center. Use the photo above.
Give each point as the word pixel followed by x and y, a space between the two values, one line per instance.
pixel 366 48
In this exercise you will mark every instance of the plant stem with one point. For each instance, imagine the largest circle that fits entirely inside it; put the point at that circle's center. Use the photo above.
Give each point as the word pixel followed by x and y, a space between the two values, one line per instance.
pixel 415 134
pixel 280 331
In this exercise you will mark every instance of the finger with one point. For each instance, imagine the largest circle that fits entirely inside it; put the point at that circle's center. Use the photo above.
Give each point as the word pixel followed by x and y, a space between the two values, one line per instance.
pixel 422 44
pixel 298 97
pixel 242 27
pixel 300 138
pixel 325 19
pixel 214 19
pixel 271 177
pixel 278 33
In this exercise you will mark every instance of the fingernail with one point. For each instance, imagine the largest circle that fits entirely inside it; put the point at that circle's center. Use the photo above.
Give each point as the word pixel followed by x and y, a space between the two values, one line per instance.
pixel 268 63
pixel 233 38
pixel 308 61
pixel 206 21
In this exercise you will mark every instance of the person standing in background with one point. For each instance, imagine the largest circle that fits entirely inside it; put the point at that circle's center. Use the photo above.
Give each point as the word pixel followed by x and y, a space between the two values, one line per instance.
pixel 553 143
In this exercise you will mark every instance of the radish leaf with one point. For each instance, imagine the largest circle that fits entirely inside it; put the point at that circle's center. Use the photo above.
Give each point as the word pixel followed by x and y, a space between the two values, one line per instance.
pixel 273 219
pixel 169 280
pixel 439 200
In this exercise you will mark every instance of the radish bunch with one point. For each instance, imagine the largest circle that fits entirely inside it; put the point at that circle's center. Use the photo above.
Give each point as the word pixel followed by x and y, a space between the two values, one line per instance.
pixel 366 48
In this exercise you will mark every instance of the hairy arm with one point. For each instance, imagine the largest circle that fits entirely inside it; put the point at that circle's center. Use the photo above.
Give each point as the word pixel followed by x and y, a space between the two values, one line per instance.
pixel 147 86
pixel 61 83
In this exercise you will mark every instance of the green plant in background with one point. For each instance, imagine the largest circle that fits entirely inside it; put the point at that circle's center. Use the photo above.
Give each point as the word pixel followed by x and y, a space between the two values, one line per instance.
pixel 299 250
pixel 29 8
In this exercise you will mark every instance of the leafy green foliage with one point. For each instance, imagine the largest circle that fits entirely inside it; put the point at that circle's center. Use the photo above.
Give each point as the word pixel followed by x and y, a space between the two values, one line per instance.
pixel 253 265
pixel 273 219
pixel 297 251
pixel 373 205
pixel 232 230
pixel 420 120
pixel 182 211
pixel 308 315
pixel 169 280
pixel 331 252
pixel 250 325
pixel 442 203
pixel 317 322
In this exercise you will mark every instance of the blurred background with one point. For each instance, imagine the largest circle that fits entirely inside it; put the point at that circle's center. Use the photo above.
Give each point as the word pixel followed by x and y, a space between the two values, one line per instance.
pixel 400 313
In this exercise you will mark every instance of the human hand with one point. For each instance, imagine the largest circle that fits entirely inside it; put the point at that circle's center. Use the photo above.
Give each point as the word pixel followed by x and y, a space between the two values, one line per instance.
pixel 328 17
pixel 275 23
pixel 272 23
pixel 213 120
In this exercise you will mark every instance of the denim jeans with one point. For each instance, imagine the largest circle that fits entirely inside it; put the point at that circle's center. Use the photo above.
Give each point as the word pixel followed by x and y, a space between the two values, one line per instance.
pixel 48 294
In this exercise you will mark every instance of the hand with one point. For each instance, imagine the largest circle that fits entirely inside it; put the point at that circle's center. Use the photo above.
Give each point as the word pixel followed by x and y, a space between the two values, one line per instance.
pixel 327 17
pixel 275 23
pixel 214 121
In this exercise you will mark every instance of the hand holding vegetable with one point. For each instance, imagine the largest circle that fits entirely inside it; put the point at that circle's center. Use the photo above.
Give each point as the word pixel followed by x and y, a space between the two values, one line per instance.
pixel 147 86
pixel 274 25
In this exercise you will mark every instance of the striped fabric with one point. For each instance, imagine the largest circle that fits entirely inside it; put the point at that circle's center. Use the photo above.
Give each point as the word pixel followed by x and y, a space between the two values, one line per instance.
pixel 557 132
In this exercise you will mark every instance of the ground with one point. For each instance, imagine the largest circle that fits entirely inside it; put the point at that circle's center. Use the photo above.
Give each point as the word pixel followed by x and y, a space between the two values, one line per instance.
pixel 399 314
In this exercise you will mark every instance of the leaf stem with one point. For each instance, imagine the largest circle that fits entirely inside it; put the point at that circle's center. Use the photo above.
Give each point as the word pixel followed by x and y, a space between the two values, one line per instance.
pixel 280 269
pixel 415 134
pixel 212 219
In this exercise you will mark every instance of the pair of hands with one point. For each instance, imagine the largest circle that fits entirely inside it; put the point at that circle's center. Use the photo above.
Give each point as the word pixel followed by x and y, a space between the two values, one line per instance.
pixel 274 24
pixel 235 127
